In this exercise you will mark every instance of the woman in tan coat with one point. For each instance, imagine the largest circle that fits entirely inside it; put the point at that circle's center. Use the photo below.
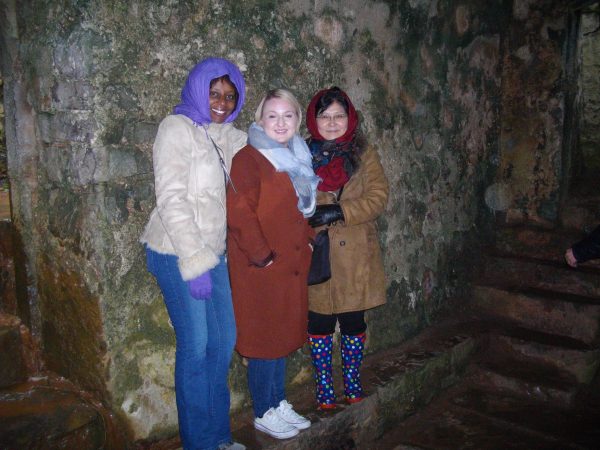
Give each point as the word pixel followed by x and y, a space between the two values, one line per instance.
pixel 352 194
pixel 273 191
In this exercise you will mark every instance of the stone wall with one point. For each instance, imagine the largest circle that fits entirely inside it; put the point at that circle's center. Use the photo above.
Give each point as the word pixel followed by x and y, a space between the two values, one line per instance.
pixel 3 170
pixel 589 140
pixel 528 187
pixel 86 84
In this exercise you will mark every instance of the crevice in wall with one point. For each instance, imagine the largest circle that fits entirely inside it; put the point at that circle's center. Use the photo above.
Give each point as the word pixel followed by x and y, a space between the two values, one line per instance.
pixel 585 151
pixel 4 185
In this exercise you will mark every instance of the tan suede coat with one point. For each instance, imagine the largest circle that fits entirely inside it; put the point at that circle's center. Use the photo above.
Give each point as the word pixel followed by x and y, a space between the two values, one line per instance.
pixel 270 303
pixel 357 278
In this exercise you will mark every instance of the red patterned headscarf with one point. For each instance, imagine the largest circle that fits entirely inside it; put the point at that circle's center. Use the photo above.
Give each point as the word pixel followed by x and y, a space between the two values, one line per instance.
pixel 311 118
pixel 333 161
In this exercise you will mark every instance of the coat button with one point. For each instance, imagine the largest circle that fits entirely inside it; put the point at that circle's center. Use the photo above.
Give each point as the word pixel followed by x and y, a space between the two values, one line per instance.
pixel 296 273
pixel 342 243
pixel 297 247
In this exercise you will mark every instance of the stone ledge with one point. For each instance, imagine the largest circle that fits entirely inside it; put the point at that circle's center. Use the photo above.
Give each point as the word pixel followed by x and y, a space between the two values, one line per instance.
pixel 39 414
pixel 398 382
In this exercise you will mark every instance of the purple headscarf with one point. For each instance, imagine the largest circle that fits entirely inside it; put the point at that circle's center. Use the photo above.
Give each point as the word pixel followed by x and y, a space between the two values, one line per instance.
pixel 194 95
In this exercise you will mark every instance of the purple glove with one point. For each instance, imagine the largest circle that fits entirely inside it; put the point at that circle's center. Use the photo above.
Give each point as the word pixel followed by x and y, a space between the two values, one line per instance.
pixel 201 286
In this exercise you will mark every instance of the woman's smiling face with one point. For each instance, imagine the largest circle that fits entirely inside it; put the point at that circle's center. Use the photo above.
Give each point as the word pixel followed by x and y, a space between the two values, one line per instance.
pixel 333 122
pixel 279 120
pixel 222 99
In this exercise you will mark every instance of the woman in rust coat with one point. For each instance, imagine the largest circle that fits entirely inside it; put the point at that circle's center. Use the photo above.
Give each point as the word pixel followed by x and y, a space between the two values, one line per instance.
pixel 273 191
pixel 352 194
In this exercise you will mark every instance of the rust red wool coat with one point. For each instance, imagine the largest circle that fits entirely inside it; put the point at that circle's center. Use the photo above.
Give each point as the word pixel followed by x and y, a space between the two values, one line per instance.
pixel 270 303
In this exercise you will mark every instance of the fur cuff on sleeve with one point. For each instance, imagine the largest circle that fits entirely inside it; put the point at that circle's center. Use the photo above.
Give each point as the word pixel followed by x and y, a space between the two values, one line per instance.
pixel 197 264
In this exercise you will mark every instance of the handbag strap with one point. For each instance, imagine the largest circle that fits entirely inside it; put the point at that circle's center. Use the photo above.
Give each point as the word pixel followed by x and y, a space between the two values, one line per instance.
pixel 220 154
pixel 339 196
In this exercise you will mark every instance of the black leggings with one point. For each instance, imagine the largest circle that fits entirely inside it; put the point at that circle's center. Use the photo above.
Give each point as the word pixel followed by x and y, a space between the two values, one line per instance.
pixel 351 323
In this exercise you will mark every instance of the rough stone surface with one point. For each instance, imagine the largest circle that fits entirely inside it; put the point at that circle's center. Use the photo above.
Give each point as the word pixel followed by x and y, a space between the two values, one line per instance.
pixel 397 383
pixel 590 91
pixel 86 84
pixel 12 366
pixel 533 111
pixel 577 364
pixel 8 288
pixel 3 162
pixel 525 388
pixel 532 272
pixel 563 315
pixel 22 352
pixel 50 413
pixel 71 325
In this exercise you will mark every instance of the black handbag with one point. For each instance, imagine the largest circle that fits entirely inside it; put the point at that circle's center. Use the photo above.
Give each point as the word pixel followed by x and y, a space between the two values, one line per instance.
pixel 320 266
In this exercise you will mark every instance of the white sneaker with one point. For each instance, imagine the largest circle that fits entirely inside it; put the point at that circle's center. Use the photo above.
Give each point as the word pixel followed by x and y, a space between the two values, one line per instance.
pixel 287 413
pixel 274 426
pixel 231 446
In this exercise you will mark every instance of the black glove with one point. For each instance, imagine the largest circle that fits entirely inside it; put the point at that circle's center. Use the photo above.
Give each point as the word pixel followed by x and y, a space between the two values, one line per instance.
pixel 326 214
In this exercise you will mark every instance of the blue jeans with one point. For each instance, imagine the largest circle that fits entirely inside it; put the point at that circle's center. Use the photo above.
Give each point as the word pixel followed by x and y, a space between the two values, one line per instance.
pixel 266 381
pixel 205 334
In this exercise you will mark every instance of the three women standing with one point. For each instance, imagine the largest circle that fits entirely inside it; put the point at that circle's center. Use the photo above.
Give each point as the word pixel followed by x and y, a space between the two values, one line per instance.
pixel 273 191
pixel 352 194
pixel 185 246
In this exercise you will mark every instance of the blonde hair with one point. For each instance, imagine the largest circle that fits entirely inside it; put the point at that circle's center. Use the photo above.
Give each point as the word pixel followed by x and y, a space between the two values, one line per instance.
pixel 282 94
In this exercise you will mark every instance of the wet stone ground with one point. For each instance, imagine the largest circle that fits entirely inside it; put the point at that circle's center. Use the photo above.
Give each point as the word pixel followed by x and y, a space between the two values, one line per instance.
pixel 467 417
pixel 441 391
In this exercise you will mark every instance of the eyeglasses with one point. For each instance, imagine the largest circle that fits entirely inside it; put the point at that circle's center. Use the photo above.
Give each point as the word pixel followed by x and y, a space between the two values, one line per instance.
pixel 328 118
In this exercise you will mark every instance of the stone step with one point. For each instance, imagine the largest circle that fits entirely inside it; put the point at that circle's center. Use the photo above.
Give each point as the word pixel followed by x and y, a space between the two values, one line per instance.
pixel 397 382
pixel 567 315
pixel 537 243
pixel 574 427
pixel 484 417
pixel 577 364
pixel 446 424
pixel 525 381
pixel 46 414
pixel 541 274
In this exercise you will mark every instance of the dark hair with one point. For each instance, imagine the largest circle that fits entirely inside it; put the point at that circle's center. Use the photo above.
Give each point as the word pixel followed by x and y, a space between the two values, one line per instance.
pixel 334 94
pixel 225 78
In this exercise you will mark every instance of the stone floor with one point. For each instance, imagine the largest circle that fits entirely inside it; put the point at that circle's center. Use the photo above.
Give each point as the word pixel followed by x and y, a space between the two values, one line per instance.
pixel 399 382
pixel 466 417
pixel 506 403
pixel 445 390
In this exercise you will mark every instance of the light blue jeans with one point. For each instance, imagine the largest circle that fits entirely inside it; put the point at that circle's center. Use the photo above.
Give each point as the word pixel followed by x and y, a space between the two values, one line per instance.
pixel 205 334
pixel 266 382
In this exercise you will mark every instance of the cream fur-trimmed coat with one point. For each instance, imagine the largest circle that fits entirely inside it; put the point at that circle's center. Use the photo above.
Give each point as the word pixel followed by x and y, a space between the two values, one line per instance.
pixel 189 219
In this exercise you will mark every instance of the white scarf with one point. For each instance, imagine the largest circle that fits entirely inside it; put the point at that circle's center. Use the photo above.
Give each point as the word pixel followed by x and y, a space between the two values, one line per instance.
pixel 295 160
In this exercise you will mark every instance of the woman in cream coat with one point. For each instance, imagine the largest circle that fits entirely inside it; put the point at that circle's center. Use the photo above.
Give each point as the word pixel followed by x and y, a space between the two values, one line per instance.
pixel 185 245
